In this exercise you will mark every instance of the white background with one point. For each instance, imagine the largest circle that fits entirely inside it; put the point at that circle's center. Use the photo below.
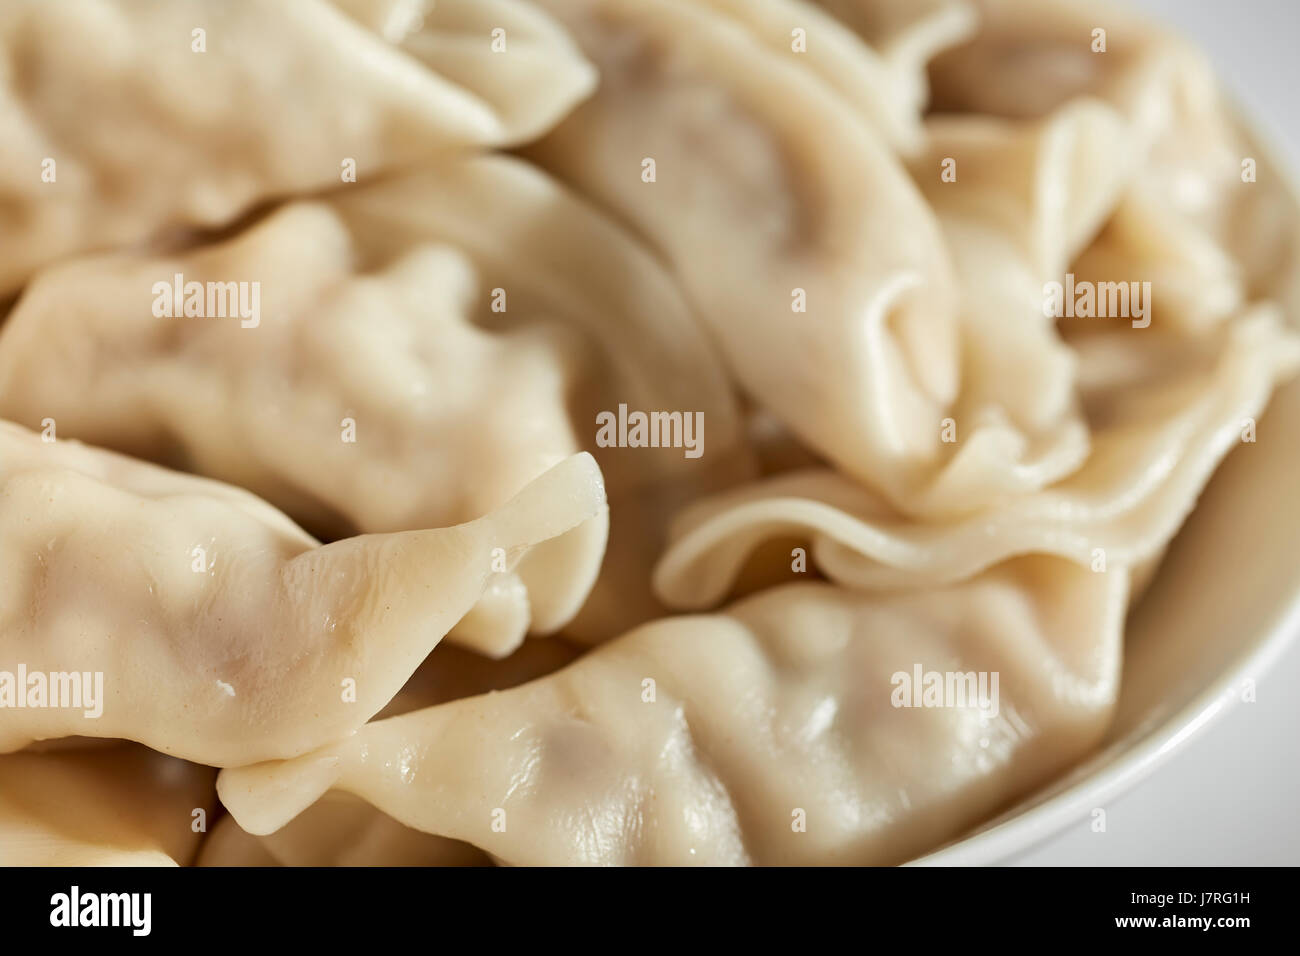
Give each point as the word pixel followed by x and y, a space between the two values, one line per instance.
pixel 1232 796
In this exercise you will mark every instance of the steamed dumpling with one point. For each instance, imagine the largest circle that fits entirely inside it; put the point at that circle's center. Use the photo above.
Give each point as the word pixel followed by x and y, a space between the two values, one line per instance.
pixel 222 632
pixel 165 136
pixel 116 805
pixel 470 321
pixel 768 734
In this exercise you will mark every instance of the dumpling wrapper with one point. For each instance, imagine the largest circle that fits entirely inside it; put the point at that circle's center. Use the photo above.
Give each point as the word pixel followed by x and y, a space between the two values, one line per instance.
pixel 1190 222
pixel 574 753
pixel 343 830
pixel 378 308
pixel 781 704
pixel 274 644
pixel 741 133
pixel 1098 439
pixel 1027 196
pixel 555 256
pixel 164 138
pixel 449 421
pixel 1155 447
pixel 116 805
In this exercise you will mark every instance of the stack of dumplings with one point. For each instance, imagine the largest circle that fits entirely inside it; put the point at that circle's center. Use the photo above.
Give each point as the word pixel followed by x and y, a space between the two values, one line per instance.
pixel 544 431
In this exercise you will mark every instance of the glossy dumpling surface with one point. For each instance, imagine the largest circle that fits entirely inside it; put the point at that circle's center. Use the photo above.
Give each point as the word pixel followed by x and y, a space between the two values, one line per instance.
pixel 222 632
pixel 705 739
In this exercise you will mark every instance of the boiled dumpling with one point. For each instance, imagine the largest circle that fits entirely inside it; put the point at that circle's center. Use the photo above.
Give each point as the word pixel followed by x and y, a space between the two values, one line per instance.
pixel 186 114
pixel 1025 198
pixel 548 255
pixel 343 830
pixel 358 404
pixel 220 631
pixel 1190 221
pixel 1155 447
pixel 768 734
pixel 468 322
pixel 825 233
pixel 834 305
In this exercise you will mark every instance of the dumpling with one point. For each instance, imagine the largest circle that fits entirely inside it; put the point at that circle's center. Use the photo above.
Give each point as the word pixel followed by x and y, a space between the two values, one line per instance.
pixel 1190 221
pixel 927 511
pixel 550 255
pixel 213 628
pixel 468 321
pixel 1026 197
pixel 778 732
pixel 117 805
pixel 343 830
pixel 1155 446
pixel 358 404
pixel 834 305
pixel 188 114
